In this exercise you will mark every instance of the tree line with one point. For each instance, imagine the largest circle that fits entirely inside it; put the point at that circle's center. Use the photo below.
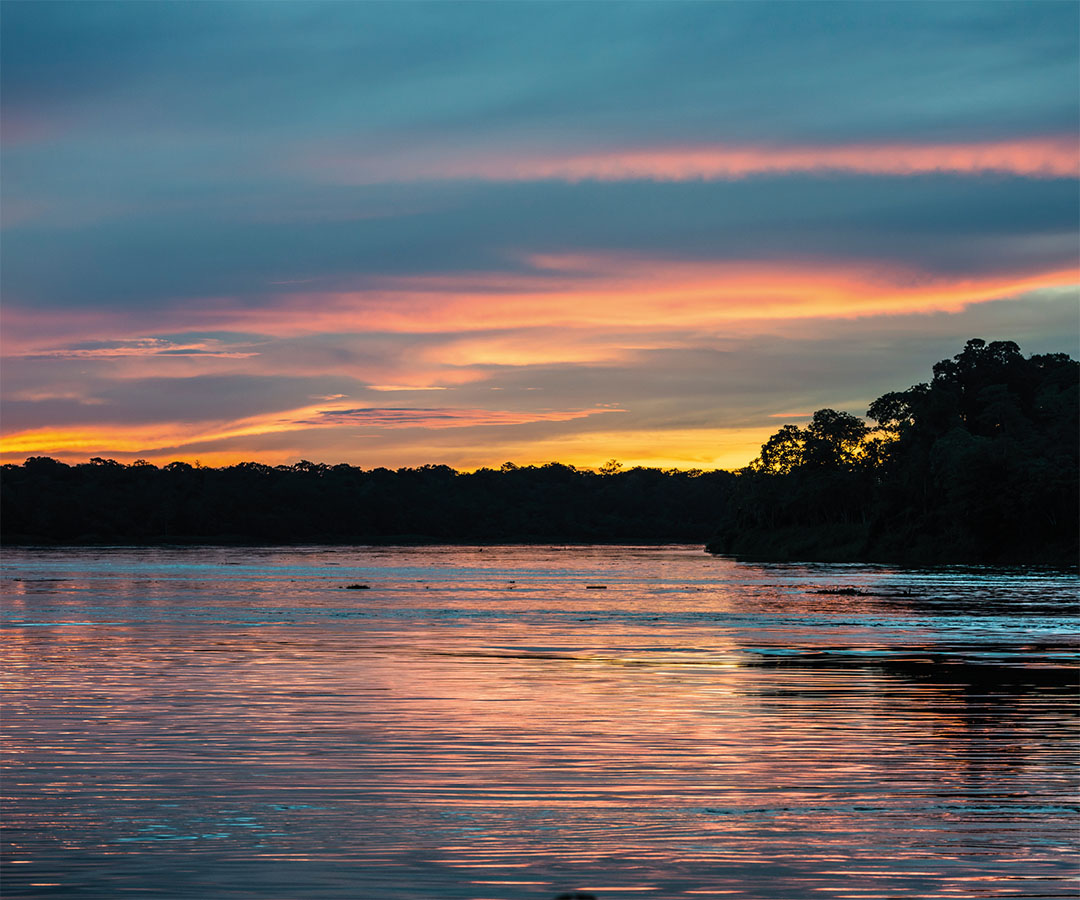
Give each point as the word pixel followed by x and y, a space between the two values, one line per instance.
pixel 103 501
pixel 978 465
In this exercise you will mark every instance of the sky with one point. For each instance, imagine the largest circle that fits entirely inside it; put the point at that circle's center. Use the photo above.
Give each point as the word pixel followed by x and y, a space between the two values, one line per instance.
pixel 394 234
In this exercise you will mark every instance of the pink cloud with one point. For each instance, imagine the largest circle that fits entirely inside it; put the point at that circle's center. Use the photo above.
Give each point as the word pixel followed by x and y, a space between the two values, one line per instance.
pixel 570 309
pixel 1041 157
pixel 601 293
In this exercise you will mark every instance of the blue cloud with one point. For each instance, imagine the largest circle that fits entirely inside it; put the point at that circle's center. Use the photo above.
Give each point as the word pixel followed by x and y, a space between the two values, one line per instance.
pixel 936 223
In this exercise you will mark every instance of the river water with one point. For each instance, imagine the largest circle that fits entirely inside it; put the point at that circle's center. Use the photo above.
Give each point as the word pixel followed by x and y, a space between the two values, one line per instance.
pixel 517 722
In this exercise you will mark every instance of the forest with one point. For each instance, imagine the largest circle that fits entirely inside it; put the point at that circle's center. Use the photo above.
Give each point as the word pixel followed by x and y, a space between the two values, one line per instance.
pixel 979 465
pixel 102 501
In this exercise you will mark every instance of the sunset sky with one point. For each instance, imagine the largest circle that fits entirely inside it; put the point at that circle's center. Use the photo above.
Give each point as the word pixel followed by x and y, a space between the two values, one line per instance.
pixel 465 233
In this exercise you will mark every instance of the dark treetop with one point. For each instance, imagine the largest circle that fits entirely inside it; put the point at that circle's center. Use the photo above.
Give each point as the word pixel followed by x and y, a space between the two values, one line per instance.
pixel 979 465
pixel 104 501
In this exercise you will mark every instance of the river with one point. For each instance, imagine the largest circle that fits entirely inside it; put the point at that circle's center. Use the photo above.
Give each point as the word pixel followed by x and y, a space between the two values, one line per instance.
pixel 504 723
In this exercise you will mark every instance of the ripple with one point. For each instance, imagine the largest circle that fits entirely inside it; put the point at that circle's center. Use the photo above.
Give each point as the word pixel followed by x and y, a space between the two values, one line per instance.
pixel 224 722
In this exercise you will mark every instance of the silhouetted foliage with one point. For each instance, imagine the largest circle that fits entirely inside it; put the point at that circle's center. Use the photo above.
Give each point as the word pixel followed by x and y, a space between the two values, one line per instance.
pixel 102 501
pixel 978 465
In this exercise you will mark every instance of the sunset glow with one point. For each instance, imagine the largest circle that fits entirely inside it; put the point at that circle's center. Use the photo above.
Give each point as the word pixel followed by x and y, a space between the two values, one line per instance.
pixel 508 253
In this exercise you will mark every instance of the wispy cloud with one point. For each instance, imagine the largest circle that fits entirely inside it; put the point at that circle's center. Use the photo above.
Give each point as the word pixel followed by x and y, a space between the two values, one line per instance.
pixel 629 293
pixel 1043 157
pixel 393 388
pixel 403 417
pixel 126 438
pixel 141 347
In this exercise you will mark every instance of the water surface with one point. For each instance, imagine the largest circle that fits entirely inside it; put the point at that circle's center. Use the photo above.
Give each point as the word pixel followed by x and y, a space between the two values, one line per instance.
pixel 514 722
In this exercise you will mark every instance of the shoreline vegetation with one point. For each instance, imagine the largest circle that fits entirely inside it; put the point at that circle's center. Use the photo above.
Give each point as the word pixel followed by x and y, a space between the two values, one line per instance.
pixel 978 466
pixel 48 502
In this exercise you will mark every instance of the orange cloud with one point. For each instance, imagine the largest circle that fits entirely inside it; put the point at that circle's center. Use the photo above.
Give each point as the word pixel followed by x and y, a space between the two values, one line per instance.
pixel 569 310
pixel 1043 157
pixel 539 346
pixel 585 309
pixel 123 438
pixel 152 439
pixel 630 294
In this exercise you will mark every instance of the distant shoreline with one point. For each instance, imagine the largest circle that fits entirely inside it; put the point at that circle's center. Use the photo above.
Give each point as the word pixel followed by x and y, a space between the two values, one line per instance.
pixel 405 543
pixel 28 543
pixel 104 502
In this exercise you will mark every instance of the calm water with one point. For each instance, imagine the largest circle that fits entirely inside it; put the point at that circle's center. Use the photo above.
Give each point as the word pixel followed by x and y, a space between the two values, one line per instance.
pixel 234 723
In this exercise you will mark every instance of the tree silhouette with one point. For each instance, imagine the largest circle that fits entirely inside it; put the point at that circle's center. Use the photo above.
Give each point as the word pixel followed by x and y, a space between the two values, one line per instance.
pixel 979 464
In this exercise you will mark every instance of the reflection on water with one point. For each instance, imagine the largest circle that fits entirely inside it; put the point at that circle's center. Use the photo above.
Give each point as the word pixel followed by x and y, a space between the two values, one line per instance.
pixel 484 724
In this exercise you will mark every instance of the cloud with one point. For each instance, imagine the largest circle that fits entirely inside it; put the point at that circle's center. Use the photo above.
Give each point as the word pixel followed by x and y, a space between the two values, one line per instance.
pixel 157 261
pixel 629 294
pixel 839 195
pixel 444 417
pixel 143 347
pixel 1054 157
pixel 150 440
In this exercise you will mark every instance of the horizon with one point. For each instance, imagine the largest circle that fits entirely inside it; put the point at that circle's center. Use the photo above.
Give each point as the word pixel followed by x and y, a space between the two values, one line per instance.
pixel 506 465
pixel 611 466
pixel 465 234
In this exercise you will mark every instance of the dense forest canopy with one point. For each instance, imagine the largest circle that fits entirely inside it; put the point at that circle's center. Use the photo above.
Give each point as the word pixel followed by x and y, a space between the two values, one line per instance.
pixel 105 501
pixel 980 464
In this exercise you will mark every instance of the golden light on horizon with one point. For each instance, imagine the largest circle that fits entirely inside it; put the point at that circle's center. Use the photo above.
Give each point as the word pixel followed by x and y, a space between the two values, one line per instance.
pixel 458 331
